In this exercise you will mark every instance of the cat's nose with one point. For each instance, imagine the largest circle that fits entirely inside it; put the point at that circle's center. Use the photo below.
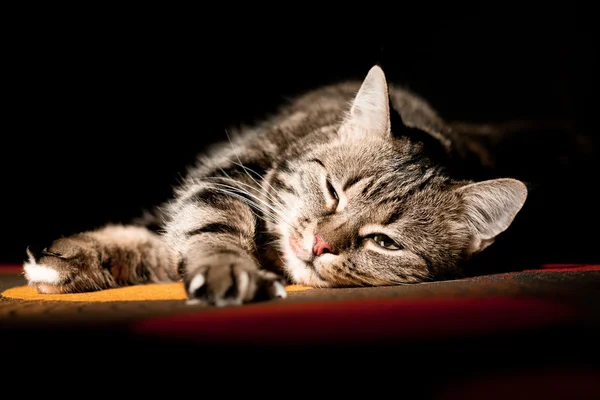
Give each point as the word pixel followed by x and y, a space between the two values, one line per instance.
pixel 321 246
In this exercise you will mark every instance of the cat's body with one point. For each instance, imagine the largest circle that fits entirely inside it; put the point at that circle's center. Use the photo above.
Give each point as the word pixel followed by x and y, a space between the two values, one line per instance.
pixel 349 185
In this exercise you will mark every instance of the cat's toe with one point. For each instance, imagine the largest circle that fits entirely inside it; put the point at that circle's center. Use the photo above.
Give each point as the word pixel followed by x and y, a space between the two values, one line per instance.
pixel 218 285
pixel 196 289
pixel 231 282
pixel 67 265
pixel 271 285
pixel 276 290
pixel 47 277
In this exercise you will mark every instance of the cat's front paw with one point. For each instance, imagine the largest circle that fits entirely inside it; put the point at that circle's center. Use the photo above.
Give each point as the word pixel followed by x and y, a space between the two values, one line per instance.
pixel 67 265
pixel 231 280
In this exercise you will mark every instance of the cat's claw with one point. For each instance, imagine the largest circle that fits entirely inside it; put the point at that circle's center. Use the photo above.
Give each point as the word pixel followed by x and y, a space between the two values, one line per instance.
pixel 196 283
pixel 232 282
pixel 277 290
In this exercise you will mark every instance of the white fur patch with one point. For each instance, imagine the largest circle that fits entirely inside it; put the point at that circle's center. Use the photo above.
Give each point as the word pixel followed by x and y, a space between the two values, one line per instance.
pixel 308 241
pixel 39 273
pixel 301 274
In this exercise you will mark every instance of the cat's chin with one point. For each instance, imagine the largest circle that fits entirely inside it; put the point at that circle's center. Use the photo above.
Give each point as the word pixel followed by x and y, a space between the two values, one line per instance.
pixel 301 273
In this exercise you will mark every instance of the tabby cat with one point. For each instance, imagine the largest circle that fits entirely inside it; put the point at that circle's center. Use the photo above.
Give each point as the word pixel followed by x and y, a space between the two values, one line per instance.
pixel 352 184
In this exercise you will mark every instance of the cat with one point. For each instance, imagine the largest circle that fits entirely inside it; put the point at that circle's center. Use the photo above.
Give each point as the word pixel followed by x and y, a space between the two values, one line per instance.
pixel 351 184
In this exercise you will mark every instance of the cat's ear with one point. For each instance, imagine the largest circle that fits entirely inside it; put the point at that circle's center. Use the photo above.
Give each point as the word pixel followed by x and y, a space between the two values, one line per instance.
pixel 370 110
pixel 490 207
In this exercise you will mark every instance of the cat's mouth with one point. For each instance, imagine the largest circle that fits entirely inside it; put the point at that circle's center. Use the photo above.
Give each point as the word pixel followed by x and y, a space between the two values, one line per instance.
pixel 299 251
pixel 307 260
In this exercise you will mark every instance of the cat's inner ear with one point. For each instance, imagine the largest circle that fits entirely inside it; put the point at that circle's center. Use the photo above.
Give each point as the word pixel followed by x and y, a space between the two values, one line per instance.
pixel 370 110
pixel 490 207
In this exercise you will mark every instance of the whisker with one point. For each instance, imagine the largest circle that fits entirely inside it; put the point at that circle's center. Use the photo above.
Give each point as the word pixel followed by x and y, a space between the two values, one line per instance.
pixel 279 211
pixel 272 217
pixel 233 190
pixel 246 169
pixel 259 187
pixel 237 192
pixel 260 191
pixel 277 206
pixel 240 164
pixel 262 178
pixel 242 191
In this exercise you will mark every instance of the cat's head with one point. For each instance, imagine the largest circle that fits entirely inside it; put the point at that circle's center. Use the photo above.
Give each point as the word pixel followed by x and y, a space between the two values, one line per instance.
pixel 369 208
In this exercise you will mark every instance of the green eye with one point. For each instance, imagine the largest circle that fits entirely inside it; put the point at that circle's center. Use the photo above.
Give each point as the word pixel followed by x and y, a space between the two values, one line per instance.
pixel 385 242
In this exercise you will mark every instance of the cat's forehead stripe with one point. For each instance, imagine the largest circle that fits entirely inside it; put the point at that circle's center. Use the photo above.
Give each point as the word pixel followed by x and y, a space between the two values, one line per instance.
pixel 316 160
pixel 382 189
pixel 394 215
pixel 285 167
pixel 353 180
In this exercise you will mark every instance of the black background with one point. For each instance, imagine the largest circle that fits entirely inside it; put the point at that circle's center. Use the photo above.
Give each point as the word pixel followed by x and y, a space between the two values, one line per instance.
pixel 104 108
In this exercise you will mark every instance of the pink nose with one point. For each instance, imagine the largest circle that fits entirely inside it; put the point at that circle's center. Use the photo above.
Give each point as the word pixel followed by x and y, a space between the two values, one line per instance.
pixel 321 246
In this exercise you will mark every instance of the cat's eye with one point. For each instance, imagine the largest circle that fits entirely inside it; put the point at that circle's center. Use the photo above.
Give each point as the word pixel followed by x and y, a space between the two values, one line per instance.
pixel 46 252
pixel 384 241
pixel 332 191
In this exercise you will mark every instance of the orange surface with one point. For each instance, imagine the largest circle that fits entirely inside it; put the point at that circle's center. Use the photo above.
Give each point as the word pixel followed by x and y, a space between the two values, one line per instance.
pixel 165 291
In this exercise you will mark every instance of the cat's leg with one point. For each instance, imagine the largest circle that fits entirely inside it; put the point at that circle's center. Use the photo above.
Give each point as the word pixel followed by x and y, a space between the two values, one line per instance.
pixel 214 234
pixel 109 257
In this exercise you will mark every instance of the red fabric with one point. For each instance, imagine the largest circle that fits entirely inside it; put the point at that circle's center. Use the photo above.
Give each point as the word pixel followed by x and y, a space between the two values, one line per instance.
pixel 359 320
pixel 565 268
pixel 12 269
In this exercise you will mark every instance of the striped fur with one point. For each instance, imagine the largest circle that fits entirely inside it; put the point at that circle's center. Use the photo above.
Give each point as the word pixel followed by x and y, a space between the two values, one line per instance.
pixel 365 167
